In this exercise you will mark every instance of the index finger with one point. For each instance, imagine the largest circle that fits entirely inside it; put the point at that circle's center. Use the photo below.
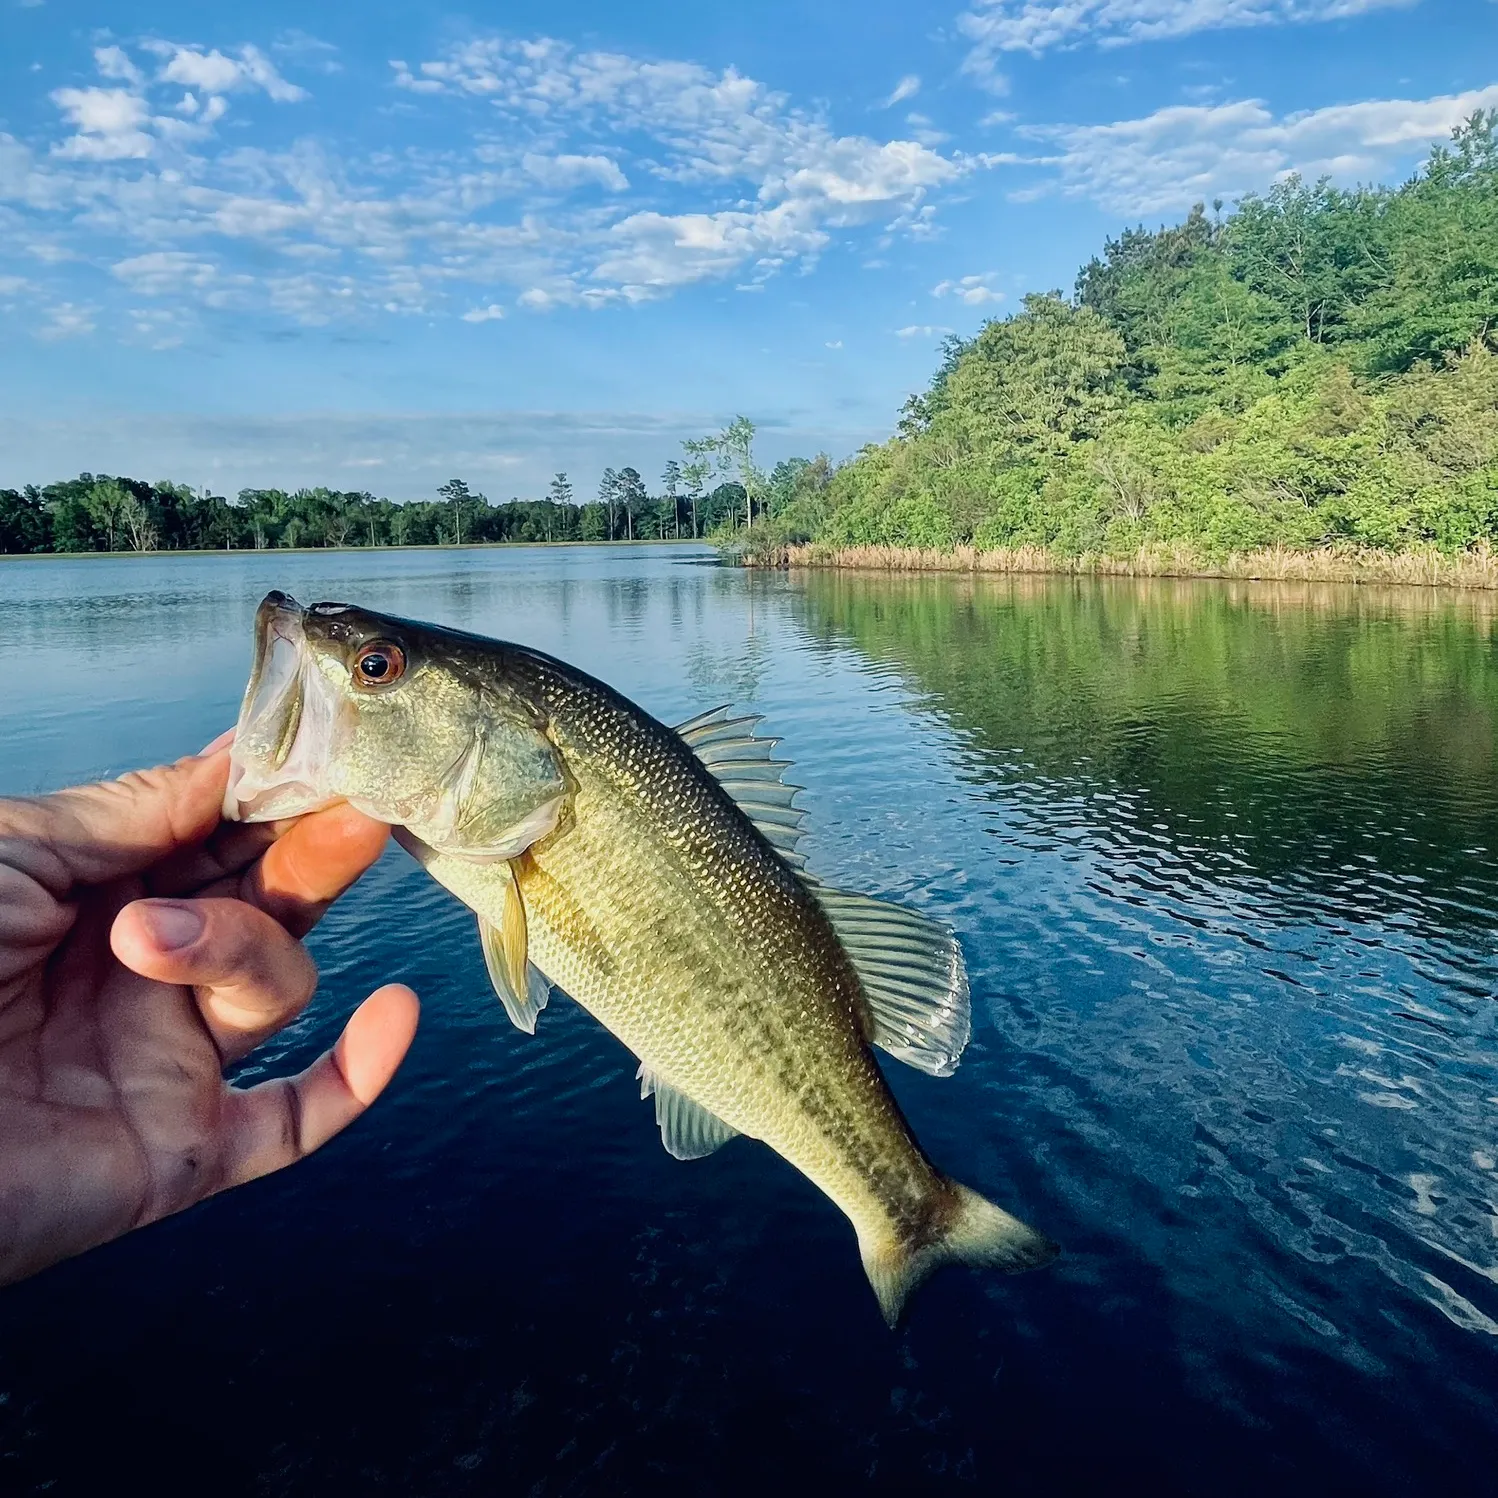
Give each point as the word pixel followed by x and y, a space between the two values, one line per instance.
pixel 93 833
pixel 311 864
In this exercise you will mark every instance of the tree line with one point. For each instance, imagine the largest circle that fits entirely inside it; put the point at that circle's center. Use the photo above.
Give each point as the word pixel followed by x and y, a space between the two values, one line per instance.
pixel 717 486
pixel 1317 367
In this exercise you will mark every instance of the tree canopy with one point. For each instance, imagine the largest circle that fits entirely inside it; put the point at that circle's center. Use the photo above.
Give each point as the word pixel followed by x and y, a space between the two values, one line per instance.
pixel 1318 366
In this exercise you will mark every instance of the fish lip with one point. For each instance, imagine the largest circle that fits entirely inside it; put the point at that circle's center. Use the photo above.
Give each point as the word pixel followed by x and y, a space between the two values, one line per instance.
pixel 272 756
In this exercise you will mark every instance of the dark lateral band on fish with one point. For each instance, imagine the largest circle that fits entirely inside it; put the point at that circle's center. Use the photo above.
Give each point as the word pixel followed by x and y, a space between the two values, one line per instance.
pixel 654 875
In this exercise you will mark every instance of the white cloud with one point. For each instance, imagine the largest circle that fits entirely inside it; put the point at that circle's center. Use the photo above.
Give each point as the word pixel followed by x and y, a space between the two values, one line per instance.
pixel 492 313
pixel 118 124
pixel 836 343
pixel 704 130
pixel 975 291
pixel 907 88
pixel 214 73
pixel 114 62
pixel 924 131
pixel 583 179
pixel 308 51
pixel 1191 153
pixel 921 330
pixel 67 320
pixel 163 272
pixel 1037 26
pixel 566 171
pixel 108 122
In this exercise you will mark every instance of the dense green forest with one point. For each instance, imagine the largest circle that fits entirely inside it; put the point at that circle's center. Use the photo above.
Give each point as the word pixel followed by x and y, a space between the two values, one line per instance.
pixel 1315 368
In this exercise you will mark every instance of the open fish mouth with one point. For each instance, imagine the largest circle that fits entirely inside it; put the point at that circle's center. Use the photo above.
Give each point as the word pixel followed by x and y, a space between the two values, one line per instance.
pixel 284 740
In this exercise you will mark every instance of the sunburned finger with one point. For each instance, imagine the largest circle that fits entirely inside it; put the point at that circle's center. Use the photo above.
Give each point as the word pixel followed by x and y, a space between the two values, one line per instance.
pixel 278 1123
pixel 218 742
pixel 318 858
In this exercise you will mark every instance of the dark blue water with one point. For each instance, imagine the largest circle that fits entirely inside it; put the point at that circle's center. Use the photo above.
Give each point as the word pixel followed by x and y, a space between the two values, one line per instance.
pixel 1222 860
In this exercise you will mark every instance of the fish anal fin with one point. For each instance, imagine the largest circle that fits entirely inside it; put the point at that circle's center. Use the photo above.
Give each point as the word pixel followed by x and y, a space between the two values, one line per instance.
pixel 913 977
pixel 688 1130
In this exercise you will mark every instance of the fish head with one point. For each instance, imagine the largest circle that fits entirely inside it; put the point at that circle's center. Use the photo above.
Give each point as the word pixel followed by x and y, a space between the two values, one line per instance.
pixel 414 725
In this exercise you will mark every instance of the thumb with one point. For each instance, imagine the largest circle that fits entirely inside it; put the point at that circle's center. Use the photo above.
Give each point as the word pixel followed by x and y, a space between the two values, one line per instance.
pixel 278 1123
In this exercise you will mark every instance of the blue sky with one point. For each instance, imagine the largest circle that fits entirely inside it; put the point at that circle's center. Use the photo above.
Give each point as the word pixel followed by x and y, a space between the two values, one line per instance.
pixel 378 245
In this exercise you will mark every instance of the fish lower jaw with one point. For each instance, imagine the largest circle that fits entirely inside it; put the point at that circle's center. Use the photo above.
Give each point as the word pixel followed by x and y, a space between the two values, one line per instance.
pixel 270 803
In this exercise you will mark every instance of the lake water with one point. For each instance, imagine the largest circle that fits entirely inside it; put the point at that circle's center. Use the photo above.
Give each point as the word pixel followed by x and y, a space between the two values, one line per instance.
pixel 1222 858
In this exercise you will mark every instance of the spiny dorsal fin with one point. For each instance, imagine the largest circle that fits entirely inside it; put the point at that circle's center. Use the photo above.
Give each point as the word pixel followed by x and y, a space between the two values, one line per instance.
pixel 741 762
pixel 521 989
pixel 688 1130
pixel 913 977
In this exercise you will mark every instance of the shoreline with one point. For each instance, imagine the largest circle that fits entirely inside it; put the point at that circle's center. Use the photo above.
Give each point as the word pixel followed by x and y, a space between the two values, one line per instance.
pixel 292 551
pixel 1430 568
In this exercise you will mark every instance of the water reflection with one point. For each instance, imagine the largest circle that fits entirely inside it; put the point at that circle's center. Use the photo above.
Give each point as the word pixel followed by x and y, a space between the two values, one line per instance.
pixel 1338 741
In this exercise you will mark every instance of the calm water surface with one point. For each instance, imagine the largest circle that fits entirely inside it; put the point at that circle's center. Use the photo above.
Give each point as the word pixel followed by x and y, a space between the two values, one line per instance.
pixel 1223 862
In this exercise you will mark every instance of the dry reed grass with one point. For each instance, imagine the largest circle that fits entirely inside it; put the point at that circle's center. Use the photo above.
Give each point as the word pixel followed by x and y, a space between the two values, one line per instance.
pixel 1427 568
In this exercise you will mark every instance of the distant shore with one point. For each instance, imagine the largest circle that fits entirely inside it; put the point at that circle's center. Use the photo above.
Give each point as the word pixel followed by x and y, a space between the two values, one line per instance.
pixel 1429 568
pixel 293 551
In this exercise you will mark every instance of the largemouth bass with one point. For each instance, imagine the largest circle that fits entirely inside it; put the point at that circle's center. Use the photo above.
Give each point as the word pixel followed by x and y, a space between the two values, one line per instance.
pixel 653 875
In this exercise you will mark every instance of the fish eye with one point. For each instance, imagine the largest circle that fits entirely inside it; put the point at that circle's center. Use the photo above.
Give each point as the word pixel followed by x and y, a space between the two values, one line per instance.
pixel 379 663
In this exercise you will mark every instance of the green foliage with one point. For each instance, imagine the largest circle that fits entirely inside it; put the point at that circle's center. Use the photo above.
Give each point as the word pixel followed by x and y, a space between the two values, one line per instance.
pixel 25 521
pixel 1317 367
pixel 96 512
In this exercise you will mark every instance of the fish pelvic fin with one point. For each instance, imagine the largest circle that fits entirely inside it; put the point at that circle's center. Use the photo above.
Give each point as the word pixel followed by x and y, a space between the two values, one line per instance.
pixel 977 1232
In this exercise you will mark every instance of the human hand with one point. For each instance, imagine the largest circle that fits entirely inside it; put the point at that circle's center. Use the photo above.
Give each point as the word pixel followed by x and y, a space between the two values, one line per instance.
pixel 144 946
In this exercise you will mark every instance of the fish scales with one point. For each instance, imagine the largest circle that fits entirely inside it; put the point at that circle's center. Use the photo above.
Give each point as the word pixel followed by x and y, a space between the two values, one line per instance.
pixel 783 995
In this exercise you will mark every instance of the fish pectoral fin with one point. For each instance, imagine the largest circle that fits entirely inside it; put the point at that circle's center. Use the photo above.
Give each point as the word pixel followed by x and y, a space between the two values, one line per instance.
pixel 688 1130
pixel 523 1001
pixel 913 976
pixel 521 989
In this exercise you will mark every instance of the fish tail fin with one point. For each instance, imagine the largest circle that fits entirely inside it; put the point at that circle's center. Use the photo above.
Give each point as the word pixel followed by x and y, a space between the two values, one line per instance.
pixel 975 1232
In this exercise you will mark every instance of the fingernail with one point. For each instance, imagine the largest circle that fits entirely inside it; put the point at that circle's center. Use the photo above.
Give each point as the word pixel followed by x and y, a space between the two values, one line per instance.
pixel 171 925
pixel 221 742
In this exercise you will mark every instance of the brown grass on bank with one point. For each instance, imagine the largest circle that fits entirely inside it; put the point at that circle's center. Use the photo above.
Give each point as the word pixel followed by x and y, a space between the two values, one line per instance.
pixel 1427 568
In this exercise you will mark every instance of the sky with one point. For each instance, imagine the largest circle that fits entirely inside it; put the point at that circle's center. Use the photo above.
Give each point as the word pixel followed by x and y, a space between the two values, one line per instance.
pixel 379 246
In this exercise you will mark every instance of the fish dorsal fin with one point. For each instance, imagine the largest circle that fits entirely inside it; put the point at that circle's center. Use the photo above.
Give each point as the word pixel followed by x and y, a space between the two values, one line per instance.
pixel 742 763
pixel 521 989
pixel 913 977
pixel 688 1130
